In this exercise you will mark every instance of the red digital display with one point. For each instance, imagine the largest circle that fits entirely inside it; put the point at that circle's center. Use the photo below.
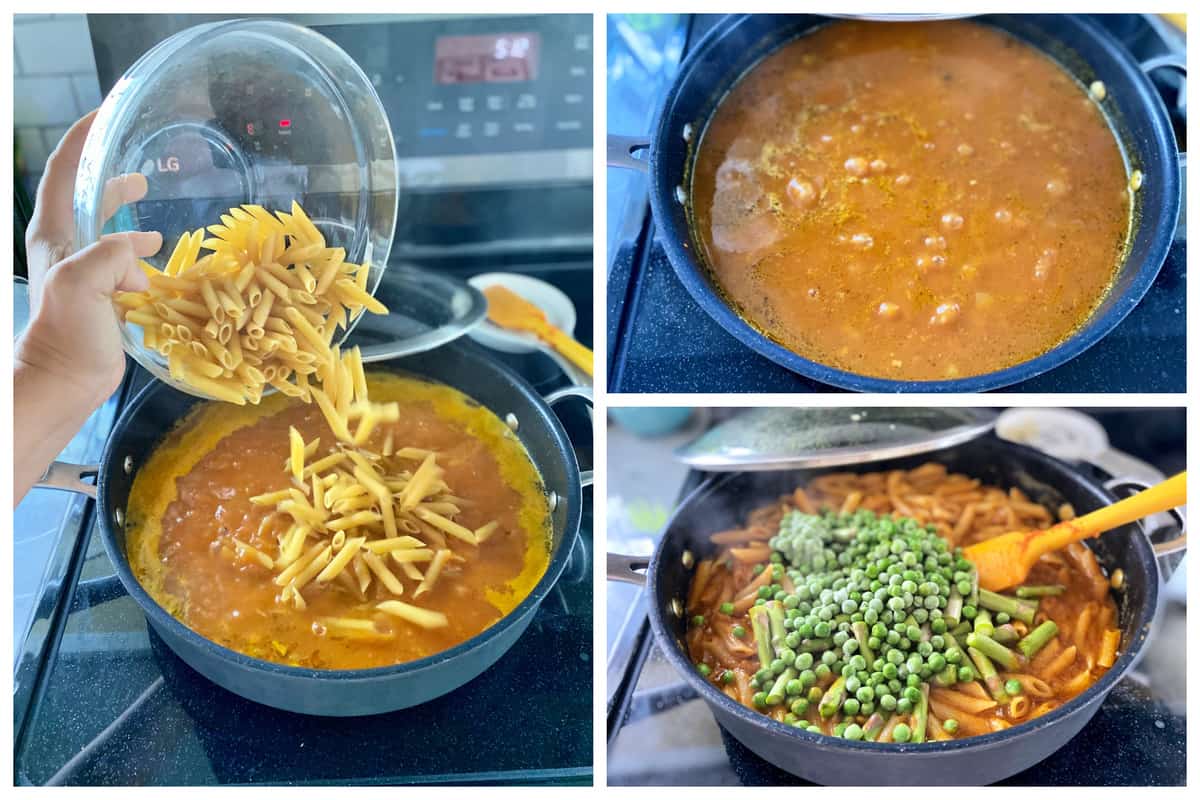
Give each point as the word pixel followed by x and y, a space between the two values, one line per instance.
pixel 285 123
pixel 495 58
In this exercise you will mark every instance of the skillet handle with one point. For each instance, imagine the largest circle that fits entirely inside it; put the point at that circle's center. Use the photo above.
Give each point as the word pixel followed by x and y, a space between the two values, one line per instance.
pixel 584 393
pixel 622 150
pixel 628 569
pixel 1162 550
pixel 1174 61
pixel 69 478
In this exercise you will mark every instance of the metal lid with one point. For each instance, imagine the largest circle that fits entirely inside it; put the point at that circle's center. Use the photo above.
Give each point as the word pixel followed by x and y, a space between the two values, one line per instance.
pixel 763 439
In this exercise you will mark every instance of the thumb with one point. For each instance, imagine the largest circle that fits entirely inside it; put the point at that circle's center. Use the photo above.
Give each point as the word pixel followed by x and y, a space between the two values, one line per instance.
pixel 107 266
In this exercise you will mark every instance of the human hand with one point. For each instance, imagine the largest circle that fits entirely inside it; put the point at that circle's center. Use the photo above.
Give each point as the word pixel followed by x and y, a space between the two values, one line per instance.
pixel 74 334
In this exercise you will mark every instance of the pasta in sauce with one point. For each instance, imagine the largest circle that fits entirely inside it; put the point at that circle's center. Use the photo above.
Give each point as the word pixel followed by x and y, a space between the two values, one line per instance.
pixel 1073 593
pixel 201 546
pixel 917 201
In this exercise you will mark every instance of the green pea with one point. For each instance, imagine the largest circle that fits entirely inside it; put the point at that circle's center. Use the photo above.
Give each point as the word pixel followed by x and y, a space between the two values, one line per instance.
pixel 728 677
pixel 850 706
pixel 704 669
pixel 739 631
pixel 760 699
pixel 726 608
pixel 1013 687
pixel 901 733
pixel 950 725
pixel 698 620
pixel 853 732
pixel 887 702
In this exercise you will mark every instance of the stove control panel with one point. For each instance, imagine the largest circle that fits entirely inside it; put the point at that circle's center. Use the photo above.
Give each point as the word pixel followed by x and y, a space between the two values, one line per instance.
pixel 479 85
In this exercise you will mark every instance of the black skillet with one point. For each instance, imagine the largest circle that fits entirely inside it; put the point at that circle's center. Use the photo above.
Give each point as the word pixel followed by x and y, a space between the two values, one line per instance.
pixel 344 693
pixel 1078 44
pixel 724 500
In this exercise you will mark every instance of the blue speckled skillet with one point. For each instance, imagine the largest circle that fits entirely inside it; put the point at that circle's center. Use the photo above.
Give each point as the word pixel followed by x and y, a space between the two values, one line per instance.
pixel 345 693
pixel 1078 44
pixel 724 500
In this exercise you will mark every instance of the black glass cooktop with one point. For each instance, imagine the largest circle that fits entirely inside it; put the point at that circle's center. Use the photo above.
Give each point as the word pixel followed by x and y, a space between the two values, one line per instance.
pixel 660 340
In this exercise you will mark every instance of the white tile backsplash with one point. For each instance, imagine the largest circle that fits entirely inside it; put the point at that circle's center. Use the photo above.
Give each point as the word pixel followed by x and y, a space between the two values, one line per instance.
pixel 87 92
pixel 42 102
pixel 55 46
pixel 55 82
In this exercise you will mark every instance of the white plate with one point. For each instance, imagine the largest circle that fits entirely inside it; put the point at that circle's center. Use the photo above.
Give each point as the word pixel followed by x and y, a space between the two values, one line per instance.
pixel 557 306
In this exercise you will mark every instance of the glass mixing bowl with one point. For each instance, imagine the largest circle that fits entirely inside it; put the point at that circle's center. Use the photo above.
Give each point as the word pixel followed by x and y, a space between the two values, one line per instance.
pixel 244 111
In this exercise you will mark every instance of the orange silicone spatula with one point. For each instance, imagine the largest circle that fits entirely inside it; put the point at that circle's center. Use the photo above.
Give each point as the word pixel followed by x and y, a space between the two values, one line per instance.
pixel 509 310
pixel 1005 560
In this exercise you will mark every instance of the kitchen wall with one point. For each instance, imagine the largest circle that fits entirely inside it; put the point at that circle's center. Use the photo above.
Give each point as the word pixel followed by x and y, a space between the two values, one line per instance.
pixel 55 83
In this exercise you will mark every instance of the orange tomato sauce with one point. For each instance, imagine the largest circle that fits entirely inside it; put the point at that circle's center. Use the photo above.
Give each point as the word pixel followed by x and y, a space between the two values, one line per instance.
pixel 915 201
pixel 191 499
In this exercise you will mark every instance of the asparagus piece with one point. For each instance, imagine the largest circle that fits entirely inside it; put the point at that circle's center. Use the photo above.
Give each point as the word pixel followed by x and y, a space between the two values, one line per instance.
pixel 953 610
pixel 961 628
pixel 874 725
pixel 778 632
pixel 814 645
pixel 1009 605
pixel 831 701
pixel 991 678
pixel 779 688
pixel 952 644
pixel 1050 590
pixel 861 634
pixel 973 599
pixel 762 634
pixel 921 715
pixel 1037 638
pixel 993 650
pixel 1006 635
pixel 947 677
pixel 983 622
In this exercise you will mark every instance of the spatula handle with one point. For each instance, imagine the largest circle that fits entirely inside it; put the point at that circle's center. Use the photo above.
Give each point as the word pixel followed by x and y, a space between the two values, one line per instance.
pixel 575 352
pixel 1166 495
